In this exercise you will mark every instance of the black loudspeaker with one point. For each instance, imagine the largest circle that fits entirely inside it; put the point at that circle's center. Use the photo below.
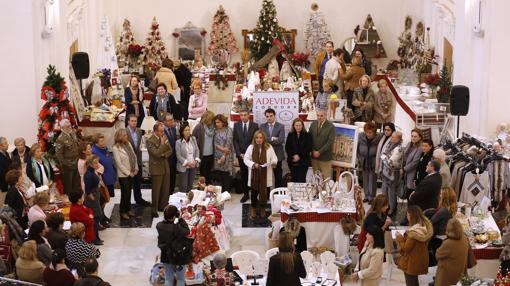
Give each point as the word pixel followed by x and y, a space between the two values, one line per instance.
pixel 459 100
pixel 81 66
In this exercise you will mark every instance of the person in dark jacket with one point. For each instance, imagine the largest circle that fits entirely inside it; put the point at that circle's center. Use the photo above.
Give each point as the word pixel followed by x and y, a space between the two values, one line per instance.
pixel 56 236
pixel 367 151
pixel 426 195
pixel 106 159
pixel 91 278
pixel 298 147
pixel 286 267
pixel 21 153
pixel 171 228
pixel 15 197
pixel 427 148
pixel 92 195
pixel 57 273
pixel 36 233
pixel 162 103
pixel 133 96
pixel 5 162
pixel 376 216
pixel 183 76
pixel 39 169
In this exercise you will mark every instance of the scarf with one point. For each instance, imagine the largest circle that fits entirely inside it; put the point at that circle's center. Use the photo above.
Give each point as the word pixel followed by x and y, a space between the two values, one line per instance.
pixel 162 106
pixel 135 100
pixel 132 157
pixel 37 171
pixel 259 176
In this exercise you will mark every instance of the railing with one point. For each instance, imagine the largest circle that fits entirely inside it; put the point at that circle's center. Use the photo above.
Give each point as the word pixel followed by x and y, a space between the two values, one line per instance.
pixel 14 282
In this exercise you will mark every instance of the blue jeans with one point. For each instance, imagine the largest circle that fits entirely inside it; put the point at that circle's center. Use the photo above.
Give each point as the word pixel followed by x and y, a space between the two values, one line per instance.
pixel 170 272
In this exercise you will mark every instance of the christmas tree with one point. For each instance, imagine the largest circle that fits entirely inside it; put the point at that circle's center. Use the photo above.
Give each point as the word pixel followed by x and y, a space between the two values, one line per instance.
pixel 406 45
pixel 105 54
pixel 56 108
pixel 445 85
pixel 154 52
pixel 316 33
pixel 126 39
pixel 267 29
pixel 222 38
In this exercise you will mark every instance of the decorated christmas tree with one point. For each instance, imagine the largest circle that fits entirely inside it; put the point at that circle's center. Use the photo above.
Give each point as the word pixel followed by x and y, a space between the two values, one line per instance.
pixel 406 45
pixel 122 47
pixel 154 51
pixel 445 85
pixel 316 33
pixel 106 57
pixel 222 38
pixel 267 29
pixel 56 108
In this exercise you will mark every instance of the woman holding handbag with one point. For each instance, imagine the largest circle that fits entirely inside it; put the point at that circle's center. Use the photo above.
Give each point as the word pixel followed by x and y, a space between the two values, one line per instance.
pixel 127 167
pixel 92 195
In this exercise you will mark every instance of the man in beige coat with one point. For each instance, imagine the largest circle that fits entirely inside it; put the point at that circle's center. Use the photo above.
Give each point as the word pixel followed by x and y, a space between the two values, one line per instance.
pixel 159 151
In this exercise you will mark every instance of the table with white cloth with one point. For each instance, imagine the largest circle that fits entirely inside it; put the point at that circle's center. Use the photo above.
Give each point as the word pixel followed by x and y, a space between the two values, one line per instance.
pixel 321 226
pixel 309 280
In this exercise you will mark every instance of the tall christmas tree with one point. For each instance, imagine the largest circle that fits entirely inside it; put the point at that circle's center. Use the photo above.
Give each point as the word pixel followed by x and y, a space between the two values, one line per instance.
pixel 267 29
pixel 154 51
pixel 445 85
pixel 316 33
pixel 222 38
pixel 56 108
pixel 122 48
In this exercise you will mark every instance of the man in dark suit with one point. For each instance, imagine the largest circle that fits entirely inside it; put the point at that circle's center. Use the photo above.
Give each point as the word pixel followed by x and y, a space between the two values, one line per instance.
pixel 5 162
pixel 275 134
pixel 159 151
pixel 426 194
pixel 21 153
pixel 135 139
pixel 243 134
pixel 172 135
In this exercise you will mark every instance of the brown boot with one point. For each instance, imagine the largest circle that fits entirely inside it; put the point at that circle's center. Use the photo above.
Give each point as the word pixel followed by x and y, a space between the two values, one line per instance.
pixel 262 213
pixel 253 213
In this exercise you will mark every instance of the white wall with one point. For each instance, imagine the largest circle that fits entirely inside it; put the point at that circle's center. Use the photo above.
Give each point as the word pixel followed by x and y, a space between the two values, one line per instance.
pixel 341 17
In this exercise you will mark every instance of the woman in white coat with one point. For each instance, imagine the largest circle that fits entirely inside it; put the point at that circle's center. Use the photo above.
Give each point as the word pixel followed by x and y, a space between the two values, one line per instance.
pixel 188 157
pixel 127 167
pixel 370 264
pixel 260 159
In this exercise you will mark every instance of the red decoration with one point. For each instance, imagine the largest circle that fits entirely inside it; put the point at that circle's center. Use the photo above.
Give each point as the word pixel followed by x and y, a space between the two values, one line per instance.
pixel 203 33
pixel 432 79
pixel 175 34
pixel 262 73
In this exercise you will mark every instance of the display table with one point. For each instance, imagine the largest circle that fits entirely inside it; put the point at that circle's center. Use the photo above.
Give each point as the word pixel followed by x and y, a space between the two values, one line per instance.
pixel 91 128
pixel 319 226
pixel 309 280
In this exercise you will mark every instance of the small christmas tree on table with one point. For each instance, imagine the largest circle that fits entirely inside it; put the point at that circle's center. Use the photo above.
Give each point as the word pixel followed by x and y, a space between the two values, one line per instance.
pixel 56 108
pixel 222 38
pixel 122 47
pixel 445 85
pixel 154 51
pixel 317 33
pixel 267 29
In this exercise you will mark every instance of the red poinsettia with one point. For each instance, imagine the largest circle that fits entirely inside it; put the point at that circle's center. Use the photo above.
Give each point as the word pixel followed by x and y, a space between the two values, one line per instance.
pixel 432 79
pixel 135 50
pixel 299 59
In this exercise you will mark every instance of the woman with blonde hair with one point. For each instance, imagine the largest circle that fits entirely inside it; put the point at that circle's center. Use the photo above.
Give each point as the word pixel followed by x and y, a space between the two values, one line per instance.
pixel 28 267
pixel 363 100
pixel 260 159
pixel 414 258
pixel 452 256
pixel 204 133
pixel 446 176
pixel 439 219
pixel 77 250
pixel 41 201
pixel 376 216
pixel 286 267
pixel 383 104
pixel 127 167
pixel 198 101
pixel 39 169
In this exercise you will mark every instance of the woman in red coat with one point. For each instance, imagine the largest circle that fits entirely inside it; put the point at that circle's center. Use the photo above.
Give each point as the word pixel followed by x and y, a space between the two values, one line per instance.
pixel 79 213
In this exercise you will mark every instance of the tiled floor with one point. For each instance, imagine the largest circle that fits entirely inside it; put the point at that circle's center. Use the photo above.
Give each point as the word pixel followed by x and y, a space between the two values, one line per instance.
pixel 128 254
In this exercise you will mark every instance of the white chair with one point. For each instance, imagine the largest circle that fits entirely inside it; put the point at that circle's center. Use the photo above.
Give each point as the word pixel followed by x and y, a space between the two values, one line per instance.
pixel 275 197
pixel 327 257
pixel 246 260
pixel 271 252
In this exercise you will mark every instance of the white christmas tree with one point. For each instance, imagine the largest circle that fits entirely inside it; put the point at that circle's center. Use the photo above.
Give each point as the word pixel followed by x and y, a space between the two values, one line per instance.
pixel 106 58
pixel 222 38
pixel 126 39
pixel 316 33
pixel 154 51
pixel 267 29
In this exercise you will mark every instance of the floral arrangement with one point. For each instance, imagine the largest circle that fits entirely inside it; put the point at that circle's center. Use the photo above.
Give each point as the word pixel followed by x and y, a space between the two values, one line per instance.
pixel 432 79
pixel 299 59
pixel 135 50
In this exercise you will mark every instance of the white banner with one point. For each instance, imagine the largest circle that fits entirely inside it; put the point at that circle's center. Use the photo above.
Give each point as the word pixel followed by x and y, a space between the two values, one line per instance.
pixel 285 103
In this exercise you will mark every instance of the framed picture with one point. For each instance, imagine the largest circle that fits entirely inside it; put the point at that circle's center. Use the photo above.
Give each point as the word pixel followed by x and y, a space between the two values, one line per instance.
pixel 345 146
pixel 335 107
pixel 190 40
pixel 288 38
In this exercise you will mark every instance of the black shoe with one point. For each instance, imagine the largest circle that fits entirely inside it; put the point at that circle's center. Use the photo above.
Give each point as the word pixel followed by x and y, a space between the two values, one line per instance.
pixel 97 242
pixel 143 203
pixel 107 219
pixel 245 198
pixel 155 215
pixel 101 228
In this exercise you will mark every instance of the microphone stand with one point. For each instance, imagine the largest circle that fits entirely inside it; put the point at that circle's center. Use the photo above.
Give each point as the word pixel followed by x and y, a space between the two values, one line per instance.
pixel 254 277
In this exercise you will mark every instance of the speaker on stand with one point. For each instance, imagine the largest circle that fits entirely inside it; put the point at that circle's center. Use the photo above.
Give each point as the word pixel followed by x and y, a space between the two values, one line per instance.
pixel 459 102
pixel 81 67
